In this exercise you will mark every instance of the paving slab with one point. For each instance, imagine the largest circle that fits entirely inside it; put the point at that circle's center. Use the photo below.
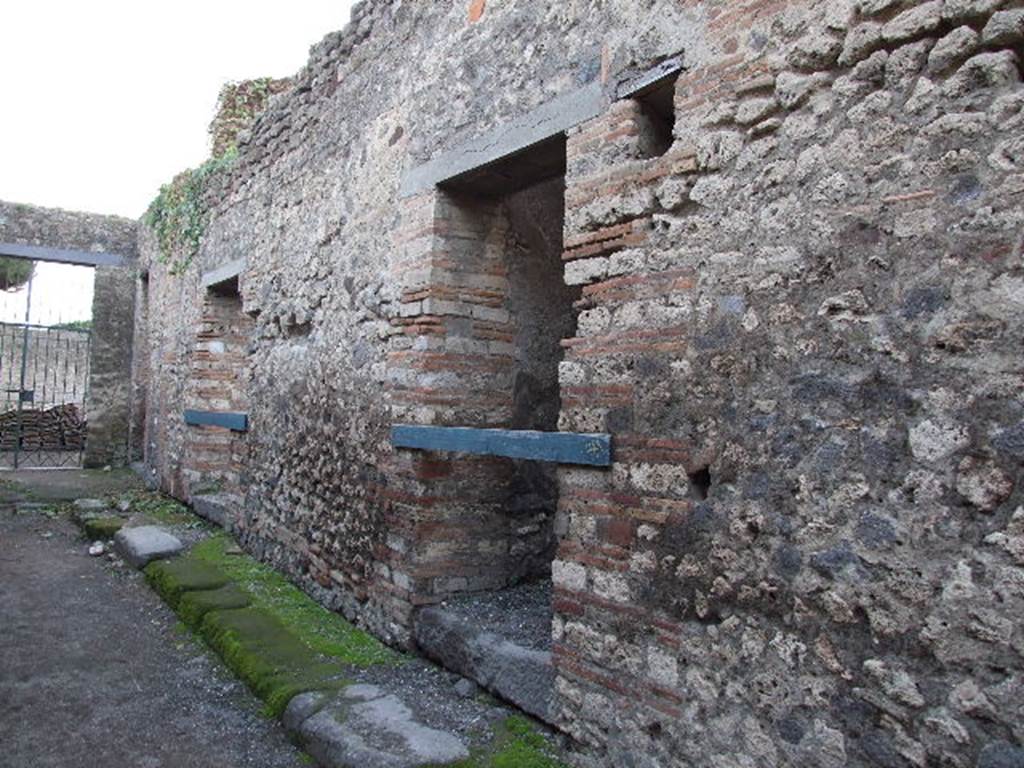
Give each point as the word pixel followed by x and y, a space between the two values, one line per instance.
pixel 523 676
pixel 367 727
pixel 141 546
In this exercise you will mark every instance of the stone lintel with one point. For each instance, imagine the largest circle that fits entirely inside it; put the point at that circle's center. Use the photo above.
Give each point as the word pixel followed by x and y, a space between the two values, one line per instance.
pixel 222 274
pixel 62 255
pixel 548 120
pixel 561 447
pixel 652 78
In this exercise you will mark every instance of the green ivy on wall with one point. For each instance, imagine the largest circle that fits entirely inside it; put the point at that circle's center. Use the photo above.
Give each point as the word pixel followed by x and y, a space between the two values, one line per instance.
pixel 180 213
pixel 238 104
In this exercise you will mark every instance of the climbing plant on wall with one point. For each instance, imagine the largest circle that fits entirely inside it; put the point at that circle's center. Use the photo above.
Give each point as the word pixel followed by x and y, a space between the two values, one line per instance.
pixel 180 213
pixel 237 106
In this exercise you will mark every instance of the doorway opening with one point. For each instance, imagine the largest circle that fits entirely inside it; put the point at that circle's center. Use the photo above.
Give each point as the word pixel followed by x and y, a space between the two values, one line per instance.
pixel 507 310
pixel 45 355
pixel 217 395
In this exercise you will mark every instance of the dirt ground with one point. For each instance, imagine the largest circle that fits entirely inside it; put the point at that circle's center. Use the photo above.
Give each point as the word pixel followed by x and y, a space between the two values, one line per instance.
pixel 93 669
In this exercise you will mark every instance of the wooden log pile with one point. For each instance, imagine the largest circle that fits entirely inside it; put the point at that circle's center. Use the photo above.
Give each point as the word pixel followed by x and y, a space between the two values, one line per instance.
pixel 60 428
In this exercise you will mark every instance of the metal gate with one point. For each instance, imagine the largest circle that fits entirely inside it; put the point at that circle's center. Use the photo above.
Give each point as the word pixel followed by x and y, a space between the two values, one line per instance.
pixel 44 383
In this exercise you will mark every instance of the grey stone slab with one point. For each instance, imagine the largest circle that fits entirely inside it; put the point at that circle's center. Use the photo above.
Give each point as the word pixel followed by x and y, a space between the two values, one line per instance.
pixel 222 273
pixel 366 727
pixel 215 507
pixel 550 119
pixel 522 676
pixel 140 546
pixel 61 255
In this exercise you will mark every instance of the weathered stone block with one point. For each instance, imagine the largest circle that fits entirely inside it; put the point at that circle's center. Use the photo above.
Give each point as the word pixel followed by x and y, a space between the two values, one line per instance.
pixel 140 546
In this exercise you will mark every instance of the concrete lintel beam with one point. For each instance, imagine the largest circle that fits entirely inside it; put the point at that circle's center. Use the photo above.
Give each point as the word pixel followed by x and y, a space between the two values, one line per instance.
pixel 649 80
pixel 223 273
pixel 559 447
pixel 236 422
pixel 548 120
pixel 62 255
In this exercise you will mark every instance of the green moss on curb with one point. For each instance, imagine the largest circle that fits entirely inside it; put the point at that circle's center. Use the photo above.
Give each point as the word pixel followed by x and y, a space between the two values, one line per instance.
pixel 102 528
pixel 515 743
pixel 270 633
pixel 172 578
pixel 269 658
pixel 318 628
pixel 193 606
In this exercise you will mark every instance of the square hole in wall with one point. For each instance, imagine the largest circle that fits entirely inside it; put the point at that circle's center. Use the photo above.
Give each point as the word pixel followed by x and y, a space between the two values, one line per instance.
pixel 654 92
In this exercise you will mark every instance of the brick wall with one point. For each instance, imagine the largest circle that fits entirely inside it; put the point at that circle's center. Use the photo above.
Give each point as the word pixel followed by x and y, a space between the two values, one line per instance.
pixel 786 558
pixel 218 381
pixel 800 323
pixel 477 344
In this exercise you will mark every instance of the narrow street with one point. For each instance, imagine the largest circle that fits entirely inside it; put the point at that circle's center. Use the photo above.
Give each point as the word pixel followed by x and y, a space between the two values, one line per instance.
pixel 95 672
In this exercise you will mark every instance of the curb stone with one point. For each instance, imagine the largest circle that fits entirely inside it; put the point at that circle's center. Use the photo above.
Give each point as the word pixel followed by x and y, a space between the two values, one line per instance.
pixel 366 727
pixel 140 546
pixel 341 725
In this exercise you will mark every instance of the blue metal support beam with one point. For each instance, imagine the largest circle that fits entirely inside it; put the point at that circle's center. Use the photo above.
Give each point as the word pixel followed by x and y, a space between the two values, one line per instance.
pixel 559 447
pixel 237 422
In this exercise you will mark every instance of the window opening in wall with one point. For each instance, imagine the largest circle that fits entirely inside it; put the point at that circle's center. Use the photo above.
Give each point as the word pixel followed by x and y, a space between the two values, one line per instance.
pixel 227 289
pixel 505 230
pixel 657 109
pixel 700 483
pixel 654 91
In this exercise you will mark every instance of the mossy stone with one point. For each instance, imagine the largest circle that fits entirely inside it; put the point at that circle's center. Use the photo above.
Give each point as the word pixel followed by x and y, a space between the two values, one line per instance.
pixel 272 661
pixel 172 578
pixel 193 606
pixel 102 528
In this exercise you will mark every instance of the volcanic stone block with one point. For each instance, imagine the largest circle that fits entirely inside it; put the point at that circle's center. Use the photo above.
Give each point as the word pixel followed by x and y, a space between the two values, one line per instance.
pixel 520 675
pixel 140 546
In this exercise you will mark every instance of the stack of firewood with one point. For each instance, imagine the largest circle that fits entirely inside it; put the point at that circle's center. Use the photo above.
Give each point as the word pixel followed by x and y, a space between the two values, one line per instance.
pixel 60 428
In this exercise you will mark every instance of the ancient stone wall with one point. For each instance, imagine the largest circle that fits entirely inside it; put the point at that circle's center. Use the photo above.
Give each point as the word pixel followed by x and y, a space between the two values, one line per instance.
pixel 110 396
pixel 808 550
pixel 73 230
pixel 799 319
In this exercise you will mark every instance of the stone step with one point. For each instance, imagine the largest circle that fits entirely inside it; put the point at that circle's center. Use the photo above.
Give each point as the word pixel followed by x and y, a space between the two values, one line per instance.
pixel 367 727
pixel 521 676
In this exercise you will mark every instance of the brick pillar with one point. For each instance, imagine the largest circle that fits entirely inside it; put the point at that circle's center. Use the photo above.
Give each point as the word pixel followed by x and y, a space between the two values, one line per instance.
pixel 215 457
pixel 626 325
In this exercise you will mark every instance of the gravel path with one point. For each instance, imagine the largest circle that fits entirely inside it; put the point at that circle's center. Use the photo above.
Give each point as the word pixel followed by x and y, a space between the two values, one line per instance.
pixel 93 671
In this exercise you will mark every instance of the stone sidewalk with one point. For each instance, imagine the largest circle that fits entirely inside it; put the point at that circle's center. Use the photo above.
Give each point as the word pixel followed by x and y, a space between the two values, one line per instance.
pixel 94 672
pixel 96 669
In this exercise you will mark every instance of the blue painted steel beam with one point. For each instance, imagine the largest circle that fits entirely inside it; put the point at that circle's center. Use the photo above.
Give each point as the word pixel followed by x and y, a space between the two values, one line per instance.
pixel 237 422
pixel 559 447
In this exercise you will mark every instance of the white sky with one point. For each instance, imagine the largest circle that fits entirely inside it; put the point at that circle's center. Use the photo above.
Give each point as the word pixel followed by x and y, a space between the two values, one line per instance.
pixel 105 100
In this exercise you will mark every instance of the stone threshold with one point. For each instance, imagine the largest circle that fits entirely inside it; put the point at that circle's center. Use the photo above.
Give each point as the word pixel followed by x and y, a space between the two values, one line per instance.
pixel 478 637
